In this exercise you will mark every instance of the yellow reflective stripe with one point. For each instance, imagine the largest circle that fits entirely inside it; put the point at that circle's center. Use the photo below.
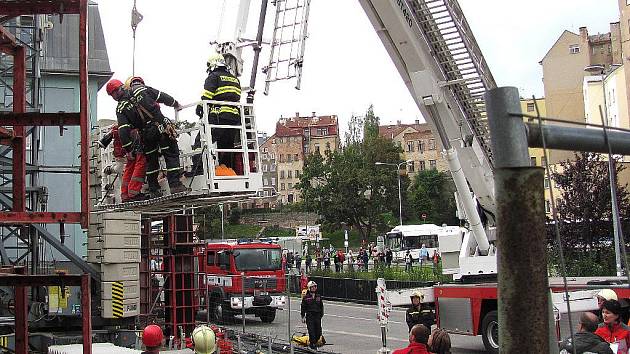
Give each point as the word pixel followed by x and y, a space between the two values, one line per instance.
pixel 228 89
pixel 226 109
pixel 152 172
pixel 137 179
pixel 124 126
pixel 139 90
pixel 173 169
pixel 129 143
pixel 229 78
pixel 152 151
pixel 207 94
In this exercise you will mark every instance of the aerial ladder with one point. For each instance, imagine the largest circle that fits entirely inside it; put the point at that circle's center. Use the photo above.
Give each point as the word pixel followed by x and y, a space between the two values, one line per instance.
pixel 435 52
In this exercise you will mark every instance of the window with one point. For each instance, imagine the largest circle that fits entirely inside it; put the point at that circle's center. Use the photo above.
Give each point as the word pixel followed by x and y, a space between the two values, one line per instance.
pixel 296 157
pixel 609 49
pixel 546 183
pixel 211 257
pixel 574 48
pixel 273 181
pixel 289 158
pixel 223 259
pixel 290 185
pixel 322 131
pixel 532 161
pixel 530 107
pixel 306 132
pixel 421 145
pixel 265 150
pixel 410 166
pixel 547 206
pixel 282 174
pixel 265 168
pixel 410 146
pixel 281 186
pixel 289 174
pixel 297 173
pixel 281 157
pixel 273 141
pixel 432 164
pixel 431 144
pixel 317 148
pixel 266 193
pixel 595 49
pixel 273 168
pixel 265 182
pixel 543 161
pixel 423 165
pixel 281 140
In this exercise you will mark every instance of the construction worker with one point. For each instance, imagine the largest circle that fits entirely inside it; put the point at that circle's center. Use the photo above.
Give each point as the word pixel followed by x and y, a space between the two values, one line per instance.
pixel 418 312
pixel 135 164
pixel 152 339
pixel 221 85
pixel 312 311
pixel 204 340
pixel 138 108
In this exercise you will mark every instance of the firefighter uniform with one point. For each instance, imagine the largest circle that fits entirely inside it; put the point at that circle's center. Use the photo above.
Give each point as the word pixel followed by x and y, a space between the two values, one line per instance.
pixel 139 108
pixel 312 309
pixel 420 314
pixel 135 164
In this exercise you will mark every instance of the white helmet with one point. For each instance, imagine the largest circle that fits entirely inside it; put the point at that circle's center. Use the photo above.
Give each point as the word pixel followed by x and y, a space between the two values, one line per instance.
pixel 204 340
pixel 215 61
pixel 607 294
pixel 311 283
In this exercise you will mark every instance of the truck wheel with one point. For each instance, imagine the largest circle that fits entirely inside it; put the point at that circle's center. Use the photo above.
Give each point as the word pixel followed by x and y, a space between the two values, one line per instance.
pixel 490 332
pixel 268 314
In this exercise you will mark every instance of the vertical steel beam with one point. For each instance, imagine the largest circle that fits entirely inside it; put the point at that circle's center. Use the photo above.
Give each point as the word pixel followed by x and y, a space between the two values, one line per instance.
pixel 86 311
pixel 84 113
pixel 521 252
pixel 18 143
pixel 21 316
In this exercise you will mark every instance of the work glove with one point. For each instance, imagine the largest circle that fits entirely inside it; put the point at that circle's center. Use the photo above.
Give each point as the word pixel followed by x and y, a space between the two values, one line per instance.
pixel 171 131
pixel 199 111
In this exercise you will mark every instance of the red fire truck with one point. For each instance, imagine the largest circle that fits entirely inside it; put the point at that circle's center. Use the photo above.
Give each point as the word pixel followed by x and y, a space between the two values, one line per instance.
pixel 244 273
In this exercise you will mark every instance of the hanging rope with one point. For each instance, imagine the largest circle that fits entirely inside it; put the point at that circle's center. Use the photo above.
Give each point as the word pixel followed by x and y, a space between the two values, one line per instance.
pixel 136 18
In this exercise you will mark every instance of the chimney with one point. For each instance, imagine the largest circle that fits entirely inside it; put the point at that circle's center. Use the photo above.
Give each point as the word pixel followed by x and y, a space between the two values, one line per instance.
pixel 584 34
pixel 417 121
pixel 397 122
pixel 297 114
pixel 314 115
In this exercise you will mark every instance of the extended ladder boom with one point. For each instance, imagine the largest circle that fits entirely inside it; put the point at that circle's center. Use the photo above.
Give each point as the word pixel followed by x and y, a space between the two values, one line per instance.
pixel 439 60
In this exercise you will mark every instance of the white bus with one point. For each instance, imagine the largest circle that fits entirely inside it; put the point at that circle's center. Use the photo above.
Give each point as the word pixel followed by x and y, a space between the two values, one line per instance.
pixel 410 238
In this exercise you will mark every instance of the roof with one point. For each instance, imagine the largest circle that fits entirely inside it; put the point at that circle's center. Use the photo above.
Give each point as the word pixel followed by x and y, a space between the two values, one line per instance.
pixel 282 130
pixel 556 42
pixel 62 45
pixel 305 122
pixel 390 131
pixel 598 38
pixel 418 135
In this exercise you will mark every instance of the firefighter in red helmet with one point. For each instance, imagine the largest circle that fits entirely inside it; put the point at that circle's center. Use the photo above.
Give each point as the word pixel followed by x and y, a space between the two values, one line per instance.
pixel 152 339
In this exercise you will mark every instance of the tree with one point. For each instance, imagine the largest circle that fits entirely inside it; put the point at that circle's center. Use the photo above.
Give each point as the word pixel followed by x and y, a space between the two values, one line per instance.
pixel 432 193
pixel 209 222
pixel 585 215
pixel 347 186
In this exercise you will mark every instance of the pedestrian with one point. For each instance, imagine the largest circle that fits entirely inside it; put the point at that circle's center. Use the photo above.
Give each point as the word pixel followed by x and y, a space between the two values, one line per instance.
pixel 152 339
pixel 308 262
pixel 284 261
pixel 221 85
pixel 408 261
pixel 204 340
pixel 290 262
pixel 436 262
pixel 389 256
pixel 586 341
pixel 139 108
pixel 613 330
pixel 419 312
pixel 418 340
pixel 350 260
pixel 336 261
pixel 439 342
pixel 424 254
pixel 326 260
pixel 312 311
pixel 298 262
pixel 134 162
pixel 366 260
pixel 342 259
pixel 318 258
pixel 602 296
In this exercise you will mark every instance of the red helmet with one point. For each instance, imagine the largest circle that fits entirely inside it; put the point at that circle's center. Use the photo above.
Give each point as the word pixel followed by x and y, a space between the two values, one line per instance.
pixel 113 85
pixel 152 336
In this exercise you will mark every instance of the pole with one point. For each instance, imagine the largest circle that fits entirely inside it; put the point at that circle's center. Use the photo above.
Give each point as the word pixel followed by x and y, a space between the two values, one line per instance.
pixel 399 197
pixel 289 306
pixel 523 308
pixel 222 229
pixel 243 300
pixel 257 48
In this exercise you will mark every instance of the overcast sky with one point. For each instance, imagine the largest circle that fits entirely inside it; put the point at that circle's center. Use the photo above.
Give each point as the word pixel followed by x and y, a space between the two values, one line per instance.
pixel 345 67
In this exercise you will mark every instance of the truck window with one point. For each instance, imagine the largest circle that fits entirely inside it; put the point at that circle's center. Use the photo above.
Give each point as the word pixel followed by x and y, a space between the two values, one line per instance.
pixel 258 259
pixel 211 257
pixel 223 259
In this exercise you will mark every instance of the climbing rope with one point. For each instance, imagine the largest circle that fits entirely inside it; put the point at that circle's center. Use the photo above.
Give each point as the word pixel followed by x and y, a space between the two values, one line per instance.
pixel 136 18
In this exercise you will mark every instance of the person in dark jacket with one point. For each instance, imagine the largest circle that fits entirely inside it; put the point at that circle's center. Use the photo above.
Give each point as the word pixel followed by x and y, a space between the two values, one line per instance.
pixel 220 85
pixel 138 108
pixel 418 339
pixel 586 341
pixel 312 311
pixel 419 313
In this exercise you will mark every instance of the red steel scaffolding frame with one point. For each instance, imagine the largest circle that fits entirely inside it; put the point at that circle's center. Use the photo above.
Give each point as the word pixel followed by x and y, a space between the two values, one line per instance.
pixel 19 118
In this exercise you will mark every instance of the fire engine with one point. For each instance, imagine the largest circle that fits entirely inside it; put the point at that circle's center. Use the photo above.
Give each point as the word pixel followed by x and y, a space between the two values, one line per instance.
pixel 243 274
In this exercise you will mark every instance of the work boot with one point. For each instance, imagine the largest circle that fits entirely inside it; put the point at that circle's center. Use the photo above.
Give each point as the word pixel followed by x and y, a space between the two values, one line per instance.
pixel 137 198
pixel 177 187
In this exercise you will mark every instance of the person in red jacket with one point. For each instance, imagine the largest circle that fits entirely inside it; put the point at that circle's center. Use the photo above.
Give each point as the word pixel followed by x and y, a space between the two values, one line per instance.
pixel 418 339
pixel 613 330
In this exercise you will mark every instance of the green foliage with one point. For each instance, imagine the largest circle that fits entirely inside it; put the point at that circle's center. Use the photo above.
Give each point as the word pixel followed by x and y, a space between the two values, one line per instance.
pixel 346 186
pixel 277 231
pixel 235 216
pixel 209 221
pixel 432 193
pixel 584 209
pixel 395 272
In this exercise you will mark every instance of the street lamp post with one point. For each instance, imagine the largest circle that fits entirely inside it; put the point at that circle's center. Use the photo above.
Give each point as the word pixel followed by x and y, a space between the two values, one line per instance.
pixel 600 69
pixel 399 189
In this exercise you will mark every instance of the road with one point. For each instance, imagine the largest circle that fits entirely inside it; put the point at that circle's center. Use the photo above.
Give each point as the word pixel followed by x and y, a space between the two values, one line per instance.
pixel 351 328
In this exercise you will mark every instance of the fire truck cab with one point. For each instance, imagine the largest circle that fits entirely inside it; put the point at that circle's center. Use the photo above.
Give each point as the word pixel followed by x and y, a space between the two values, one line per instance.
pixel 244 273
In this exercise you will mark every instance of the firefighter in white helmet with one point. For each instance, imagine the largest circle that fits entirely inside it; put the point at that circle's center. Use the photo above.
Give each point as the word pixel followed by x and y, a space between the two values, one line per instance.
pixel 602 296
pixel 419 312
pixel 204 340
pixel 312 310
